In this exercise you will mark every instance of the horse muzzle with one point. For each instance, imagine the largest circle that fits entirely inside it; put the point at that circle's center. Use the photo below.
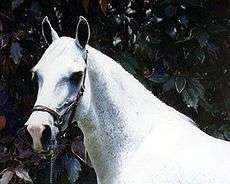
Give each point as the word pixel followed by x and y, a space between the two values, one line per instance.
pixel 41 136
pixel 39 129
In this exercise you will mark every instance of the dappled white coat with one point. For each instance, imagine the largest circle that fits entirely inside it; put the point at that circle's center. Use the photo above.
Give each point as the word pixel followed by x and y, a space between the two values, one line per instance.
pixel 134 138
pixel 131 136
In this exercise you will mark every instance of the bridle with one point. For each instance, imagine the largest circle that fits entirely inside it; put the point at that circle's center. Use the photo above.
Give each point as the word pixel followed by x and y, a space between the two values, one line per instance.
pixel 59 118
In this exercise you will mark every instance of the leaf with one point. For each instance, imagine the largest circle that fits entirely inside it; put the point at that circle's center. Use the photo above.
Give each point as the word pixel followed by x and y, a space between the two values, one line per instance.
pixel 225 129
pixel 203 39
pixel 169 85
pixel 4 155
pixel 194 2
pixel 159 78
pixel 1 26
pixel 7 139
pixel 6 177
pixel 190 97
pixel 206 105
pixel 184 20
pixel 4 40
pixel 195 32
pixel 25 154
pixel 200 54
pixel 66 168
pixel 227 104
pixel 128 62
pixel 116 41
pixel 129 68
pixel 170 11
pixel 143 81
pixel 211 129
pixel 59 172
pixel 172 32
pixel 180 83
pixel 159 74
pixel 16 52
pixel 194 93
pixel 197 87
pixel 131 59
pixel 85 4
pixel 104 5
pixel 218 29
pixel 2 122
pixel 78 149
pixel 16 3
pixel 4 96
pixel 73 167
pixel 35 11
pixel 22 173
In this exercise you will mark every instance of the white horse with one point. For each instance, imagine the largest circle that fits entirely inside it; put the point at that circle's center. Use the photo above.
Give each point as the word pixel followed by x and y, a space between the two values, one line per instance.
pixel 131 136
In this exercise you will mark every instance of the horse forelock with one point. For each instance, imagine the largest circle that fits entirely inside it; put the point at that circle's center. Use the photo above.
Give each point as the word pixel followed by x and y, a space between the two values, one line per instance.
pixel 61 53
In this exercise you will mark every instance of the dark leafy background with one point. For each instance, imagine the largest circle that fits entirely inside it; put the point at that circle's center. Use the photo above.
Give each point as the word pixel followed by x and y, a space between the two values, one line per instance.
pixel 178 49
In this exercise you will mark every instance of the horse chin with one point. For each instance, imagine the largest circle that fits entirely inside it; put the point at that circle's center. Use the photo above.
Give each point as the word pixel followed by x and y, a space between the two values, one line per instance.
pixel 43 152
pixel 39 150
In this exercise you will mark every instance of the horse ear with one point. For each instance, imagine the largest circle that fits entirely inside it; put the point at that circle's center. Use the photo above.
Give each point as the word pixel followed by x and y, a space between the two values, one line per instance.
pixel 48 32
pixel 82 33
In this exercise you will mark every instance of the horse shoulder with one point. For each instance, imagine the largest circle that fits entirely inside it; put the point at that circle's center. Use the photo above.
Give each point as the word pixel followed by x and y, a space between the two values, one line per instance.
pixel 187 156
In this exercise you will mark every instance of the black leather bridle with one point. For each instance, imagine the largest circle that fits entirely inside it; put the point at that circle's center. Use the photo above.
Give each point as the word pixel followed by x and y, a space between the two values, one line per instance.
pixel 59 119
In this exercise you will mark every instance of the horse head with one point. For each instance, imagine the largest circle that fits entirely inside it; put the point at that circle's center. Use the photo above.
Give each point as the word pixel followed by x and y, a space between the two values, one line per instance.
pixel 61 75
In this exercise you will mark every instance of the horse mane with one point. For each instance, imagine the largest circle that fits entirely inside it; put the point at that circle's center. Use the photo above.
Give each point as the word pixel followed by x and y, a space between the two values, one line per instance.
pixel 129 85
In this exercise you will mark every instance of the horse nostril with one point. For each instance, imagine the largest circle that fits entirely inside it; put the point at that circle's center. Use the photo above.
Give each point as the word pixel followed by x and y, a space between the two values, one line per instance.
pixel 46 137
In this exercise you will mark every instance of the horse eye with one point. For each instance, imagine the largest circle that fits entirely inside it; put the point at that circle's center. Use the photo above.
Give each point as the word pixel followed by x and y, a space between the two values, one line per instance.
pixel 76 76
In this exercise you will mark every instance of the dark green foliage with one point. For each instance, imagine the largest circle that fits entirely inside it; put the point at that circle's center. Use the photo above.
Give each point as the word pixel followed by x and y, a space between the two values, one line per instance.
pixel 174 46
pixel 66 168
pixel 178 49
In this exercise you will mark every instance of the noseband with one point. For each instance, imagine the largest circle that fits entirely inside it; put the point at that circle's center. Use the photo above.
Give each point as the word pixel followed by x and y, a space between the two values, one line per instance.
pixel 58 117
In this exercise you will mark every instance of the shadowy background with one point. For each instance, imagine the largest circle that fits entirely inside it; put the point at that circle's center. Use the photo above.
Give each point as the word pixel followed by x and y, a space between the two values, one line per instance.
pixel 178 49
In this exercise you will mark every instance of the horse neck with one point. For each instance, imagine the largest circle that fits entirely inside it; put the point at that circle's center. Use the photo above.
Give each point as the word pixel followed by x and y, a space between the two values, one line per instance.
pixel 122 113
